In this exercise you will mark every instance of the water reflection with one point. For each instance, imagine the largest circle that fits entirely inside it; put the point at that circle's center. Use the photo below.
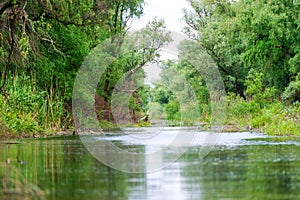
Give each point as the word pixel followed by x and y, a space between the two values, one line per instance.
pixel 254 168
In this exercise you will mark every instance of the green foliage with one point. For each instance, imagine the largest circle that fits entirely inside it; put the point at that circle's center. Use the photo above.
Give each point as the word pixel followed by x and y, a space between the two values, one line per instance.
pixel 48 41
pixel 215 24
pixel 161 95
pixel 173 110
pixel 237 109
pixel 182 93
pixel 271 51
pixel 164 104
pixel 241 35
pixel 28 109
pixel 125 74
pixel 292 92
pixel 254 83
pixel 255 90
pixel 274 119
pixel 144 98
pixel 255 44
pixel 188 86
pixel 106 125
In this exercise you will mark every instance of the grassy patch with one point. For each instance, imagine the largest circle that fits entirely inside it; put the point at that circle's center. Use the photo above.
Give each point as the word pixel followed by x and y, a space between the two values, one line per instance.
pixel 274 118
pixel 26 109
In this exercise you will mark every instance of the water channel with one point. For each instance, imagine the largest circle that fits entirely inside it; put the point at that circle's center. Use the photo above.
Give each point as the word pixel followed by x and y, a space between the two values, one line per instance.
pixel 240 166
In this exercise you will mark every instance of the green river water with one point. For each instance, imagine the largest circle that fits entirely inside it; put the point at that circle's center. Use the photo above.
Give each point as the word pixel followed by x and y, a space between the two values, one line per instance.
pixel 240 166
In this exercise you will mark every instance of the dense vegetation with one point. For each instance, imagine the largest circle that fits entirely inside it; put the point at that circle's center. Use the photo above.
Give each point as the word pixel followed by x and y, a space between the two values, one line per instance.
pixel 42 46
pixel 254 43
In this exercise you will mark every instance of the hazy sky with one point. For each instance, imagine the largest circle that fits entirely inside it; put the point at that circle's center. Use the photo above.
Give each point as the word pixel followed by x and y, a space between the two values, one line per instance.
pixel 169 10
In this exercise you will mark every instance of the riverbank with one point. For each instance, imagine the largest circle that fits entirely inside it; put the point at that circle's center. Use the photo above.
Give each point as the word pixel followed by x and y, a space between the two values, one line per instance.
pixel 39 116
pixel 7 136
pixel 269 117
pixel 242 116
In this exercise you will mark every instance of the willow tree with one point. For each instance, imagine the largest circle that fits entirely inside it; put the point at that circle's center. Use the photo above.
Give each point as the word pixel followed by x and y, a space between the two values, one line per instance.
pixel 136 50
pixel 271 29
pixel 49 39
pixel 246 34
pixel 214 25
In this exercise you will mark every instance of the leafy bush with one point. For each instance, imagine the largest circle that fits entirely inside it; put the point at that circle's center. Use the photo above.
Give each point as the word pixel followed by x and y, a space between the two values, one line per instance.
pixel 292 92
pixel 274 119
pixel 173 110
pixel 255 90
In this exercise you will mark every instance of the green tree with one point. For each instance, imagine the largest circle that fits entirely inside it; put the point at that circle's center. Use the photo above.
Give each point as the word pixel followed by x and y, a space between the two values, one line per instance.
pixel 181 91
pixel 240 35
pixel 214 25
pixel 48 40
pixel 136 50
pixel 272 40
pixel 51 38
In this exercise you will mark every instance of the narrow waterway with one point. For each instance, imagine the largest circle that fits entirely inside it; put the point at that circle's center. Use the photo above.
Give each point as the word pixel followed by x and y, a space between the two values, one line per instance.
pixel 240 166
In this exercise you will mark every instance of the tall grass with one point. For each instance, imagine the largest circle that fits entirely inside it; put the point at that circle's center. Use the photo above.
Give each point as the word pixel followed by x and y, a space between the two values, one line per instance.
pixel 275 118
pixel 27 109
pixel 262 110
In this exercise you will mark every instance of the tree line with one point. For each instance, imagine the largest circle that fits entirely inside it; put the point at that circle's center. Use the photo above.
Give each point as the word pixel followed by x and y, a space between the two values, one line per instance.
pixel 254 43
pixel 255 46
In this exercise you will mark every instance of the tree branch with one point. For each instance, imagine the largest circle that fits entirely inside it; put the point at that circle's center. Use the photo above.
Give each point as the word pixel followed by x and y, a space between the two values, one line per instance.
pixel 6 6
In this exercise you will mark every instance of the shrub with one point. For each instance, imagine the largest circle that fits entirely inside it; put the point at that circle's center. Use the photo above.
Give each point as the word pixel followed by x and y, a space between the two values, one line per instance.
pixel 292 92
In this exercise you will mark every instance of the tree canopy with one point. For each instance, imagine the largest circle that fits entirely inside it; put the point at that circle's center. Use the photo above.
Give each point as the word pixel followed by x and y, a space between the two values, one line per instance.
pixel 249 34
